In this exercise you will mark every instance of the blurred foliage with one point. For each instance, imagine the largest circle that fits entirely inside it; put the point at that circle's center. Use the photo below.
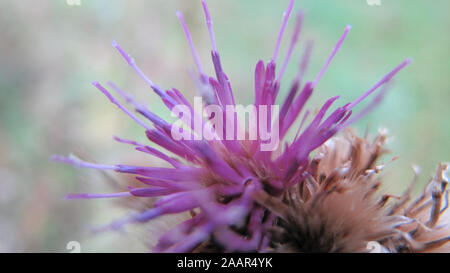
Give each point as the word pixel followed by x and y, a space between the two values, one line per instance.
pixel 51 51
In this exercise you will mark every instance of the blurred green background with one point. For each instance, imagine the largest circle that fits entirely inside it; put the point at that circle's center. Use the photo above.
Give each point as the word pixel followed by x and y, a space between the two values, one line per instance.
pixel 50 51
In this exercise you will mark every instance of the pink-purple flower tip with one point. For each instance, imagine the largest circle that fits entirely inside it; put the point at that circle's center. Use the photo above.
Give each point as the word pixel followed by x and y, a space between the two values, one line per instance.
pixel 127 57
pixel 74 196
pixel 209 25
pixel 104 91
pixel 289 9
pixel 333 53
pixel 78 163
pixel 58 158
pixel 207 14
pixel 286 16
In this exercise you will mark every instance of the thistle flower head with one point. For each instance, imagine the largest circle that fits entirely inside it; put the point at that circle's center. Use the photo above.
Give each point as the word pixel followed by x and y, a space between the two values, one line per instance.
pixel 223 181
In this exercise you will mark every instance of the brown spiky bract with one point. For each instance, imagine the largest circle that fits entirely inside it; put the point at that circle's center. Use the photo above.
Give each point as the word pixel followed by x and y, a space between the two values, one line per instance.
pixel 339 206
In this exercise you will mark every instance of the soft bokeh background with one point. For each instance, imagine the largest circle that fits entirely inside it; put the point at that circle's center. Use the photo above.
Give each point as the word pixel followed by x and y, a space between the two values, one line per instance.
pixel 50 52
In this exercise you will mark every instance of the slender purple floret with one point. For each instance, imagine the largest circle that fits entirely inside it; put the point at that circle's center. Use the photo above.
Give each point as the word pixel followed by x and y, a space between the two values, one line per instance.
pixel 133 65
pixel 117 103
pixel 97 196
pixel 215 180
pixel 209 25
pixel 191 44
pixel 333 53
pixel 294 40
pixel 297 81
pixel 81 164
pixel 286 16
pixel 377 100
pixel 384 80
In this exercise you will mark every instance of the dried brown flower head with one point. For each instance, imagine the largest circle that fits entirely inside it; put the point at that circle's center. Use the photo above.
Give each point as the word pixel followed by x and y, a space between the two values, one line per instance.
pixel 338 207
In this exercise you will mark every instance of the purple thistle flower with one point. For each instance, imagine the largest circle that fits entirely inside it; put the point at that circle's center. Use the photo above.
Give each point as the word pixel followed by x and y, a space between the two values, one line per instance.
pixel 219 178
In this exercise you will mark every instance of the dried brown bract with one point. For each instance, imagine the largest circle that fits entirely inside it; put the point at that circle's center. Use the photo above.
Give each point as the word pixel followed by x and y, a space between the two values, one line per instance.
pixel 339 206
